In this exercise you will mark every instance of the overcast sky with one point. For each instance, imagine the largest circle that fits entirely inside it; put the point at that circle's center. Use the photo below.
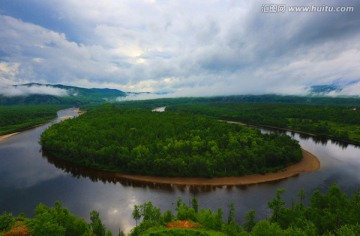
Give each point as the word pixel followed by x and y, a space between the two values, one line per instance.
pixel 185 47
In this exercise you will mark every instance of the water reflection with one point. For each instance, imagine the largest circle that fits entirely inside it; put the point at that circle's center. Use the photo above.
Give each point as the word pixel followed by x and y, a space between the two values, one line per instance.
pixel 106 177
pixel 19 172
pixel 318 139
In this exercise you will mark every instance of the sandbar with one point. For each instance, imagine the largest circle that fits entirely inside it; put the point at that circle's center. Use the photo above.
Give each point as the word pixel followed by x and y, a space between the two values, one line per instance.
pixel 79 112
pixel 66 117
pixel 309 163
pixel 3 137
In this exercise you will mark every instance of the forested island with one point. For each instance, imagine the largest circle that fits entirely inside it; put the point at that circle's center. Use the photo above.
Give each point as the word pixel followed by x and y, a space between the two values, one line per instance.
pixel 332 214
pixel 172 144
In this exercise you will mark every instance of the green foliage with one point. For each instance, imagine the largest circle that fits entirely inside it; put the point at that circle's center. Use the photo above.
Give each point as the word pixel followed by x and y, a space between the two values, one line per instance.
pixel 18 118
pixel 330 213
pixel 266 228
pixel 209 219
pixel 7 220
pixel 149 212
pixel 97 227
pixel 348 230
pixel 250 221
pixel 195 204
pixel 332 210
pixel 185 213
pixel 233 230
pixel 136 213
pixel 338 122
pixel 277 205
pixel 168 216
pixel 273 99
pixel 151 216
pixel 57 221
pixel 167 144
pixel 231 216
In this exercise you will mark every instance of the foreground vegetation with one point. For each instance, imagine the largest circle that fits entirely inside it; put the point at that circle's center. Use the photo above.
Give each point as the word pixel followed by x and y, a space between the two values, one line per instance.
pixel 18 118
pixel 332 213
pixel 167 144
pixel 337 122
pixel 52 221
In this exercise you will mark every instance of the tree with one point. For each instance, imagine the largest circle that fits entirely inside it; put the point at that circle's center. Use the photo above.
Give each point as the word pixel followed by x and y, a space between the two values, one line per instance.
pixel 150 212
pixel 218 219
pixel 179 202
pixel 57 221
pixel 136 214
pixel 250 221
pixel 266 228
pixel 168 216
pixel 231 216
pixel 96 225
pixel 302 196
pixel 7 220
pixel 277 205
pixel 185 213
pixel 195 204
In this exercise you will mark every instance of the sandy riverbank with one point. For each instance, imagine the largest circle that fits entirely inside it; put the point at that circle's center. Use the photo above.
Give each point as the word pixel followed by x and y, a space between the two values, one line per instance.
pixel 69 116
pixel 66 117
pixel 3 137
pixel 308 164
pixel 79 112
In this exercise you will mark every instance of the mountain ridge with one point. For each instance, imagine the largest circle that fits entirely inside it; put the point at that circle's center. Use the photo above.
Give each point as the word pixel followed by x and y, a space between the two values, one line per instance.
pixel 37 93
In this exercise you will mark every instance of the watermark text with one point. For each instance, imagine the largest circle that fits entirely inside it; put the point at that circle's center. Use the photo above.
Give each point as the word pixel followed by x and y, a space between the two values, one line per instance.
pixel 282 8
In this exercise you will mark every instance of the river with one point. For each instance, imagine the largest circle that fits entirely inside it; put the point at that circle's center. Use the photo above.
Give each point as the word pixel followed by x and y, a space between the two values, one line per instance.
pixel 27 177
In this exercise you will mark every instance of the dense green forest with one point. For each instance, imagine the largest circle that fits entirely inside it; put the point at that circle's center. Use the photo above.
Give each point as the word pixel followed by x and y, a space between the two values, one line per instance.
pixel 338 122
pixel 332 214
pixel 137 141
pixel 18 118
pixel 273 99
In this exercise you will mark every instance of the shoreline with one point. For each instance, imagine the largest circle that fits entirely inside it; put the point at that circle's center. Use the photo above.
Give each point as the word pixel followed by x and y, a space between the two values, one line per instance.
pixel 6 136
pixel 309 163
pixel 272 127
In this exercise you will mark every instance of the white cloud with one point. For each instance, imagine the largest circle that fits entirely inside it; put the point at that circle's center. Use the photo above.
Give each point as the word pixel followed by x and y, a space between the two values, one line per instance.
pixel 8 72
pixel 22 90
pixel 352 90
pixel 141 96
pixel 217 47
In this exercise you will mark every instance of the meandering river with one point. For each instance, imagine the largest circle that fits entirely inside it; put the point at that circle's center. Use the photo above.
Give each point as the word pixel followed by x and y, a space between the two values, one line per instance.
pixel 27 177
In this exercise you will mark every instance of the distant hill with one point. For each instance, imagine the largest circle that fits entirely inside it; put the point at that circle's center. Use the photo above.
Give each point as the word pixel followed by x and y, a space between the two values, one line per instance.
pixel 335 88
pixel 44 94
pixel 35 93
